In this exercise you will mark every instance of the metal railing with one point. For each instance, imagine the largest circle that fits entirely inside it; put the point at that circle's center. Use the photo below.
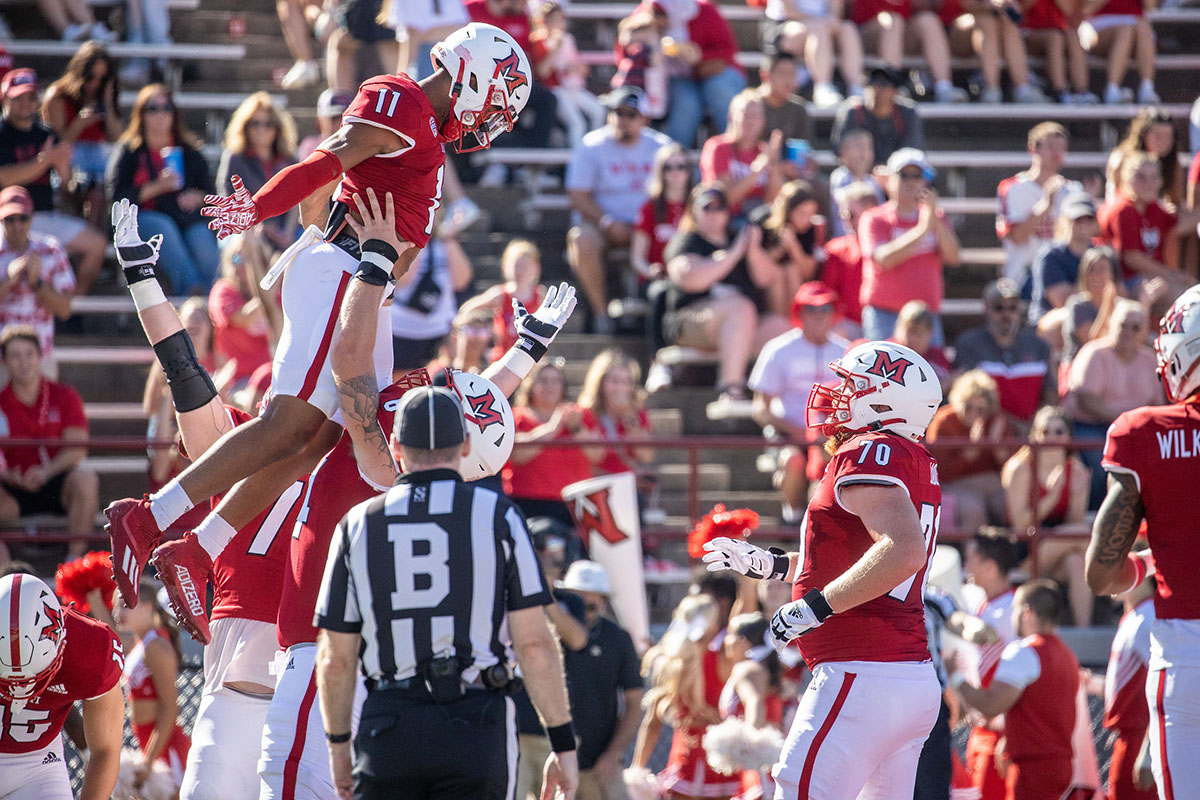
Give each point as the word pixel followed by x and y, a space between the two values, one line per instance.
pixel 700 450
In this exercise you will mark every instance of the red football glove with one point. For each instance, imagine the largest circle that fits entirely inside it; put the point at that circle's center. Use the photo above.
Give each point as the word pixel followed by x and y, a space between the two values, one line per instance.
pixel 232 214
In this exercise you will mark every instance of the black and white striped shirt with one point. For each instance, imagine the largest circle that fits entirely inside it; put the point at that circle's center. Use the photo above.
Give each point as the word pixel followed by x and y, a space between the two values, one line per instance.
pixel 430 570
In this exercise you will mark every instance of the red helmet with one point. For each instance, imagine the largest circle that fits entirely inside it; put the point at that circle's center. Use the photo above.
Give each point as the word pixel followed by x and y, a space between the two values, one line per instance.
pixel 32 636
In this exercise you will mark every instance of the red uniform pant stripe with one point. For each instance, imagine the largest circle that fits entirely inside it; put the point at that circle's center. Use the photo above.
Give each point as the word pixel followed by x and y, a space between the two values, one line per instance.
pixel 314 369
pixel 292 766
pixel 1160 694
pixel 810 760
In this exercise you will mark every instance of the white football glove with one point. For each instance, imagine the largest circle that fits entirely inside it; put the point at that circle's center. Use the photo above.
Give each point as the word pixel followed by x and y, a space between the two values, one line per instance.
pixel 741 556
pixel 536 331
pixel 132 252
pixel 233 214
pixel 798 617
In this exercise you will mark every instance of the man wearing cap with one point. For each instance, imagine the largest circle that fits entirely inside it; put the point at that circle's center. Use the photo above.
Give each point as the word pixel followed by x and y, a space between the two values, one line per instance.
pixel 36 281
pixel 891 119
pixel 28 152
pixel 905 243
pixel 782 379
pixel 1010 351
pixel 1055 269
pixel 428 589
pixel 606 669
pixel 1029 201
pixel 606 183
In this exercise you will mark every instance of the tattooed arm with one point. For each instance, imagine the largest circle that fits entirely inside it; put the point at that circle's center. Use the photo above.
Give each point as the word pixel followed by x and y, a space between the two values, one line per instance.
pixel 1108 569
pixel 358 397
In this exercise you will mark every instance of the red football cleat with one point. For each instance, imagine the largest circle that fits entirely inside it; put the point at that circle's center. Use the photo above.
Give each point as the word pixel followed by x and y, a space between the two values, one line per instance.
pixel 184 568
pixel 134 533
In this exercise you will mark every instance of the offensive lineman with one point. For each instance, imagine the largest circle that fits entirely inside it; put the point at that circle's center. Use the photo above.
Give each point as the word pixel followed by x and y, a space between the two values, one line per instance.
pixel 238 681
pixel 1152 456
pixel 859 582
pixel 391 138
pixel 49 658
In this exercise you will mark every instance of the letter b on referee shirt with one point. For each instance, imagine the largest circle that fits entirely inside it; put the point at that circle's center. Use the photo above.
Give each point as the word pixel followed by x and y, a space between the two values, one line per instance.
pixel 422 553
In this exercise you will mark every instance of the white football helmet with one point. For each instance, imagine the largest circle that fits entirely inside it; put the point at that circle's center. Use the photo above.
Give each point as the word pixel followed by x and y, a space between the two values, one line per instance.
pixel 490 425
pixel 885 387
pixel 1178 347
pixel 491 83
pixel 32 636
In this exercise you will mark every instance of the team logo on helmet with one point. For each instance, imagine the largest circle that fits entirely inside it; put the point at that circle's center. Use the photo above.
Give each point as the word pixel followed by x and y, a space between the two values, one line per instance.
pixel 888 367
pixel 53 630
pixel 483 410
pixel 509 68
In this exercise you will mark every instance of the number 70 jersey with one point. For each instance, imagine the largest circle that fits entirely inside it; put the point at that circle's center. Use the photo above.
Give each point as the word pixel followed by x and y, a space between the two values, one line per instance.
pixel 413 173
pixel 890 627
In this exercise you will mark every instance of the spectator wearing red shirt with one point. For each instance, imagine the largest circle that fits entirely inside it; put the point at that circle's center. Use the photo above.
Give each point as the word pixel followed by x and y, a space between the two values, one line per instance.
pixel 905 243
pixel 36 281
pixel 746 167
pixel 658 219
pixel 521 267
pixel 537 120
pixel 702 60
pixel 1141 229
pixel 1034 687
pixel 535 476
pixel 246 320
pixel 45 478
pixel 843 267
pixel 611 407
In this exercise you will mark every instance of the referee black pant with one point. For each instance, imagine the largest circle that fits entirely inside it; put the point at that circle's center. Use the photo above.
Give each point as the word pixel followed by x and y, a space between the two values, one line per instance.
pixel 410 748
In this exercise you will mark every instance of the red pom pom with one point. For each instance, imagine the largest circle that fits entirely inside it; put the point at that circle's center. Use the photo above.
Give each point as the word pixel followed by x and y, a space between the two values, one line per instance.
pixel 719 522
pixel 76 579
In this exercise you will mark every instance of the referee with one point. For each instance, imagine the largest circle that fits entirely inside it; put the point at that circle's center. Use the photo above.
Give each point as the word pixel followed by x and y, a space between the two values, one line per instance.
pixel 424 586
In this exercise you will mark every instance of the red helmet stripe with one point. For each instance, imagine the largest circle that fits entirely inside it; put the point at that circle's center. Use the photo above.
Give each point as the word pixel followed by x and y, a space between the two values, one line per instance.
pixel 14 623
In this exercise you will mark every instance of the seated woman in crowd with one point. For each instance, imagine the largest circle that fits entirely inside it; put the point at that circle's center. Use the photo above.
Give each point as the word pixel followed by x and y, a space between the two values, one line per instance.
pixel 970 475
pixel 159 166
pixel 1152 131
pixel 1048 487
pixel 535 476
pixel 81 107
pixel 1089 308
pixel 749 169
pixel 784 240
pixel 1109 376
pixel 914 328
pixel 712 300
pixel 891 28
pixel 811 30
pixel 979 29
pixel 246 320
pixel 658 219
pixel 521 266
pixel 260 140
pixel 612 407
pixel 1113 29
pixel 151 669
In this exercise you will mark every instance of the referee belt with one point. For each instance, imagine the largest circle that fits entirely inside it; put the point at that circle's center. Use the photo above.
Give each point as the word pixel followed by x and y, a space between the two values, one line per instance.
pixel 416 687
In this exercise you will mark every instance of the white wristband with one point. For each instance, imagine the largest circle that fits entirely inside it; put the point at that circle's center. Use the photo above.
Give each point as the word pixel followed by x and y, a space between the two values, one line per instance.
pixel 379 260
pixel 517 361
pixel 146 294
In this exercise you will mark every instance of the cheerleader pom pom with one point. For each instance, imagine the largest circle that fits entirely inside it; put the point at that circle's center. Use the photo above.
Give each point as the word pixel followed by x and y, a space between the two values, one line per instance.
pixel 735 746
pixel 642 784
pixel 159 785
pixel 76 579
pixel 736 524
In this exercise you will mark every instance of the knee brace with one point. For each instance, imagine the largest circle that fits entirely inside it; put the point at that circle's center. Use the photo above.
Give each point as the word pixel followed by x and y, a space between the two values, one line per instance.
pixel 191 386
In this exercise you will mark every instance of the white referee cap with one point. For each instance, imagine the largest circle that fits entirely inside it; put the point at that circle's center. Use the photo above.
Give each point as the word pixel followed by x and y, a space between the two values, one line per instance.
pixel 430 418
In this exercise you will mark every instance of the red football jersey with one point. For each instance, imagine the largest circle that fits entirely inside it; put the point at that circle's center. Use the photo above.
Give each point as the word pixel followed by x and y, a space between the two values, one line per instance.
pixel 334 488
pixel 1040 723
pixel 1160 447
pixel 248 575
pixel 91 666
pixel 890 627
pixel 58 407
pixel 413 174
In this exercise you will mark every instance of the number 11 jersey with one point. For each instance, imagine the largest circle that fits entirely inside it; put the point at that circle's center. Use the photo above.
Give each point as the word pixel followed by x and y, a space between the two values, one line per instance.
pixel 890 627
pixel 413 173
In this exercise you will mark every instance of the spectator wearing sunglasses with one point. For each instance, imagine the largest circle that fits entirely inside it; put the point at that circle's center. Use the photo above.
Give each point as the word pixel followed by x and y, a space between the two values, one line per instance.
pixel 36 282
pixel 1009 351
pixel 606 184
pixel 158 165
pixel 260 140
